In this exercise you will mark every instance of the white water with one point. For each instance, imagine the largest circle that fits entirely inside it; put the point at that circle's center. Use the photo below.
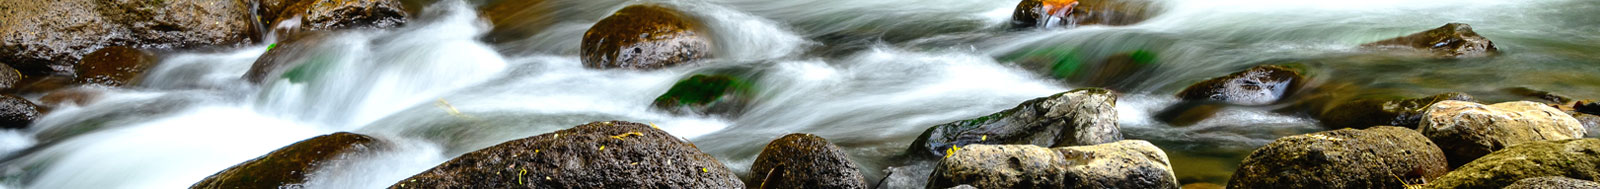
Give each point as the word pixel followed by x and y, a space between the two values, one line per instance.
pixel 869 76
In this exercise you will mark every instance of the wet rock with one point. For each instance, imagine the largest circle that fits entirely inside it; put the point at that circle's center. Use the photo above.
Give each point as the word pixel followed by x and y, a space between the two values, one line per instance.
pixel 290 166
pixel 16 112
pixel 1577 158
pixel 1202 185
pixel 1123 164
pixel 9 77
pixel 1450 40
pixel 804 161
pixel 1591 124
pixel 1552 182
pixel 114 66
pixel 1116 72
pixel 644 37
pixel 513 20
pixel 1260 85
pixel 1085 116
pixel 1074 13
pixel 312 15
pixel 1467 130
pixel 1587 107
pixel 73 96
pixel 284 56
pixel 1375 111
pixel 706 95
pixel 49 37
pixel 612 154
pixel 1377 157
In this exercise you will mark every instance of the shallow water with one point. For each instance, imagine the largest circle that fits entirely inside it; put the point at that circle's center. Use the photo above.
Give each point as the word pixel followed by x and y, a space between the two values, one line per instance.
pixel 869 76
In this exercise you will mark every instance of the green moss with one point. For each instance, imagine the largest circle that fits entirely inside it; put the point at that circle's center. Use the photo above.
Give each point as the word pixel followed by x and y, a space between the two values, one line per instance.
pixel 310 70
pixel 701 90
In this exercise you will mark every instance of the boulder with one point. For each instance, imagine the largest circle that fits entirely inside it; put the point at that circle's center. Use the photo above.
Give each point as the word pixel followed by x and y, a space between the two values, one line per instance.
pixel 1374 111
pixel 292 165
pixel 1552 182
pixel 1085 116
pixel 804 161
pixel 284 56
pixel 1576 158
pixel 49 37
pixel 9 77
pixel 1451 40
pixel 16 112
pixel 644 37
pixel 706 95
pixel 1123 164
pixel 1074 13
pixel 1377 157
pixel 1260 85
pixel 114 66
pixel 312 15
pixel 1467 130
pixel 612 154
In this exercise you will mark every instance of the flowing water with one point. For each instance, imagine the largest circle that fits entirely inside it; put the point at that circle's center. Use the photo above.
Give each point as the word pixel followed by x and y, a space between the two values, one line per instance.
pixel 867 75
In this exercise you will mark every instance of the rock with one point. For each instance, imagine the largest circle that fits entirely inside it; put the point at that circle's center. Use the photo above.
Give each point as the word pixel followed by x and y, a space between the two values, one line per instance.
pixel 16 112
pixel 706 95
pixel 284 56
pixel 1587 106
pixel 1116 72
pixel 804 161
pixel 611 154
pixel 1577 158
pixel 1203 185
pixel 513 20
pixel 1074 13
pixel 1377 157
pixel 1591 124
pixel 1450 40
pixel 1374 111
pixel 9 77
pixel 114 66
pixel 644 37
pixel 48 37
pixel 1085 116
pixel 313 15
pixel 1123 164
pixel 290 166
pixel 1552 182
pixel 75 96
pixel 1260 85
pixel 1467 130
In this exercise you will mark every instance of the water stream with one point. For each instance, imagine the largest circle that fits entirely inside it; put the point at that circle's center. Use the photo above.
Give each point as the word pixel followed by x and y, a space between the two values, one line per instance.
pixel 867 75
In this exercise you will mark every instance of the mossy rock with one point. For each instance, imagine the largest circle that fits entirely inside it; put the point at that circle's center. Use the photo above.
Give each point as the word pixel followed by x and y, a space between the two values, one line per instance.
pixel 1552 182
pixel 644 37
pixel 804 161
pixel 1085 116
pixel 1450 41
pixel 707 95
pixel 1576 158
pixel 1259 85
pixel 1377 157
pixel 292 165
pixel 1121 164
pixel 114 66
pixel 1468 130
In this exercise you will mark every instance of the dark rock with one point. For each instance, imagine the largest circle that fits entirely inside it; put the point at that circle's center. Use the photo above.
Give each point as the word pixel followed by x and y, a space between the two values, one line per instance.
pixel 1587 106
pixel 644 37
pixel 1552 182
pixel 1116 72
pixel 1189 112
pixel 1375 111
pixel 706 95
pixel 1123 164
pixel 1450 40
pixel 1377 157
pixel 1260 85
pixel 284 56
pixel 1085 116
pixel 313 15
pixel 16 112
pixel 1467 130
pixel 1074 13
pixel 1203 185
pixel 48 37
pixel 512 20
pixel 612 154
pixel 114 66
pixel 9 77
pixel 804 161
pixel 291 165
pixel 1577 158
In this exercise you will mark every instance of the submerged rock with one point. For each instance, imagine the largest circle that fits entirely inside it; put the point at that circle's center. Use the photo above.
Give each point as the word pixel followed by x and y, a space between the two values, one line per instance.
pixel 1467 130
pixel 284 56
pixel 1074 13
pixel 1552 182
pixel 804 161
pixel 1377 157
pixel 1367 112
pixel 16 112
pixel 611 154
pixel 706 95
pixel 1123 164
pixel 290 166
pixel 1085 116
pixel 114 66
pixel 644 37
pixel 310 15
pixel 1260 85
pixel 49 37
pixel 1577 158
pixel 1450 40
pixel 512 20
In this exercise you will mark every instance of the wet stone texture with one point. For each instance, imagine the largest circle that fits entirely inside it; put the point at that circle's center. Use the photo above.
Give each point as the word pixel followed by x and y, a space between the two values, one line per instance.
pixel 1377 157
pixel 644 37
pixel 1451 40
pixel 290 166
pixel 804 161
pixel 1074 13
pixel 1576 158
pixel 1079 117
pixel 114 66
pixel 49 37
pixel 1123 164
pixel 1467 130
pixel 1260 85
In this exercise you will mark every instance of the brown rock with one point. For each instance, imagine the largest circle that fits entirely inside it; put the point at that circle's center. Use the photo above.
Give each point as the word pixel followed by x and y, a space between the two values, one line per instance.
pixel 9 77
pixel 644 37
pixel 1123 164
pixel 1260 85
pixel 611 154
pixel 1378 157
pixel 513 20
pixel 804 161
pixel 1467 130
pixel 290 166
pixel 48 37
pixel 1074 13
pixel 16 112
pixel 313 15
pixel 114 66
pixel 1367 112
pixel 1450 40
